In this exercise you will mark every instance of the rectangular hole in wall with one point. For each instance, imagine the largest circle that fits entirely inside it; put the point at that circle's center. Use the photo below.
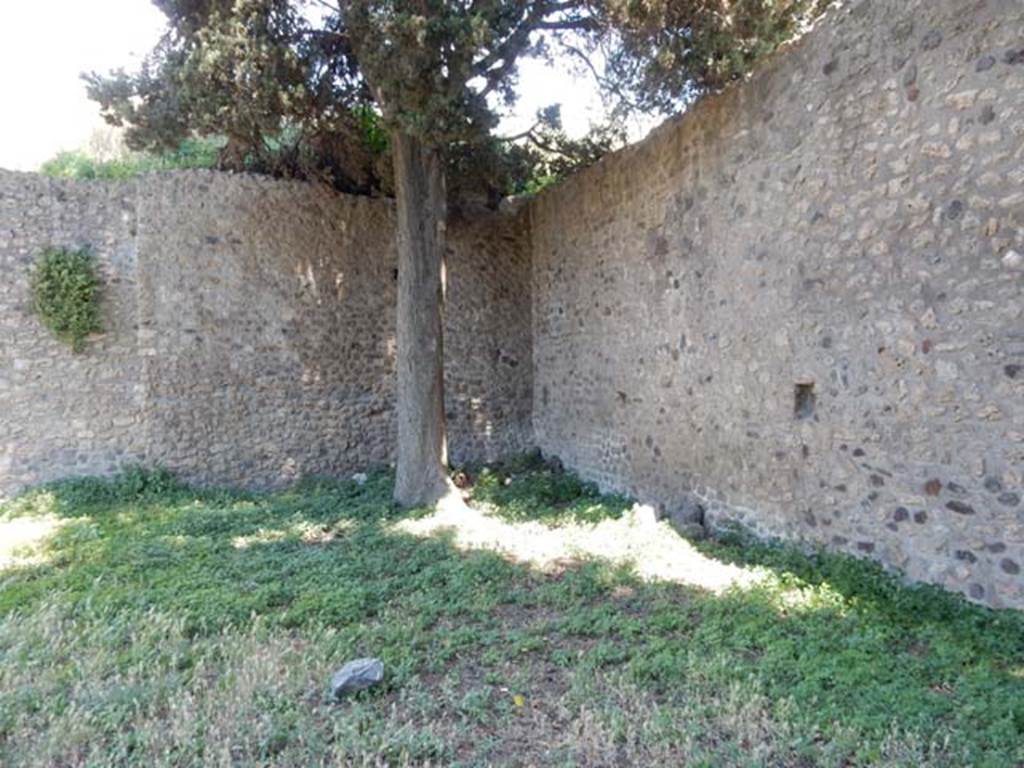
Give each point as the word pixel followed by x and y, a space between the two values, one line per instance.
pixel 804 400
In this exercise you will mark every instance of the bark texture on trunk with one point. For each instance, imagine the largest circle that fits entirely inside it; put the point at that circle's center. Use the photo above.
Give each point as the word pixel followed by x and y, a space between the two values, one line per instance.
pixel 422 472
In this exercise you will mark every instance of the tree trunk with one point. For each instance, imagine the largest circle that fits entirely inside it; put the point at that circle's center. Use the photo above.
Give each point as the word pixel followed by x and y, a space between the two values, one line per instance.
pixel 422 474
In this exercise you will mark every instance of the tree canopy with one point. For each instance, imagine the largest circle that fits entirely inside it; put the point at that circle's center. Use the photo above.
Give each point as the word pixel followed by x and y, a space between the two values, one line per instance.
pixel 314 88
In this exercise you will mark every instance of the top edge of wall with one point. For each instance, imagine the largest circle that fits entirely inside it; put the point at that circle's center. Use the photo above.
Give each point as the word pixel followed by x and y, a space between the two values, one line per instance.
pixel 192 181
pixel 184 173
pixel 701 109
pixel 516 203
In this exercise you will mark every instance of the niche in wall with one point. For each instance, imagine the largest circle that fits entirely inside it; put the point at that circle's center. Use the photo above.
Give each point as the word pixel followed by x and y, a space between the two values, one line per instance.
pixel 804 400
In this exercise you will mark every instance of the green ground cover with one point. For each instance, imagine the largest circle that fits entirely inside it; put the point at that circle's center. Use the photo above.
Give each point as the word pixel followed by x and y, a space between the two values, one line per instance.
pixel 146 623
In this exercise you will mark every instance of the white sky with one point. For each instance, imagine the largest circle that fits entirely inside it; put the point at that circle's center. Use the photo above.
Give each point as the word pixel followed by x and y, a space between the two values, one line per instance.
pixel 46 44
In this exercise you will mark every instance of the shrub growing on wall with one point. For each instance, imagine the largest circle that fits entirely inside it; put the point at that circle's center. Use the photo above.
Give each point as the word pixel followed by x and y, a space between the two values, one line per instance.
pixel 66 293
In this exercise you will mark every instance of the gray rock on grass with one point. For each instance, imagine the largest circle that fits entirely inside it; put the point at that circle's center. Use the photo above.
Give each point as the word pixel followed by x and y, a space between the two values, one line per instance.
pixel 356 675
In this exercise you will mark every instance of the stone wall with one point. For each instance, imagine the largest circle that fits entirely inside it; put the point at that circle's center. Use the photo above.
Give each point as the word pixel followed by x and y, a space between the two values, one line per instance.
pixel 801 302
pixel 250 331
pixel 62 413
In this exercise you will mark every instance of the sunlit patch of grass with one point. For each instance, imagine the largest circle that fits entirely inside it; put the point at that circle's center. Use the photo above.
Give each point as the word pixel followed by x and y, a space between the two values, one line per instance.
pixel 180 627
pixel 23 539
pixel 261 536
pixel 634 540
pixel 39 503
pixel 304 531
pixel 792 599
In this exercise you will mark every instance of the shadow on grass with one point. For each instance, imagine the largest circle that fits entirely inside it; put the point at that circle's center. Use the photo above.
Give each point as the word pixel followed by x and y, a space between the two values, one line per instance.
pixel 871 591
pixel 834 647
pixel 530 488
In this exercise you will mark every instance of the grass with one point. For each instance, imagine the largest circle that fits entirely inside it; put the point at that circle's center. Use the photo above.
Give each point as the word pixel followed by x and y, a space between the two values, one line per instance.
pixel 146 623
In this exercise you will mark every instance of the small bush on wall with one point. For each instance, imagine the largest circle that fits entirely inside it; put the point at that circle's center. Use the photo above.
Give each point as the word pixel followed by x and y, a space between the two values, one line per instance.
pixel 66 293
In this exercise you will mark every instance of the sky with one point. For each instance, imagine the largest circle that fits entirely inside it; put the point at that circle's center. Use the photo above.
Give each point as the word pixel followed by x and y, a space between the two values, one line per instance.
pixel 46 44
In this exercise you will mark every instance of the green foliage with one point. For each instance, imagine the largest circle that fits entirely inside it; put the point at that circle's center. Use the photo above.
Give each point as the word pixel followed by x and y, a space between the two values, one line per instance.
pixel 528 488
pixel 134 484
pixel 543 156
pixel 170 626
pixel 66 295
pixel 554 156
pixel 287 96
pixel 669 52
pixel 78 164
pixel 375 135
pixel 538 183
pixel 316 95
